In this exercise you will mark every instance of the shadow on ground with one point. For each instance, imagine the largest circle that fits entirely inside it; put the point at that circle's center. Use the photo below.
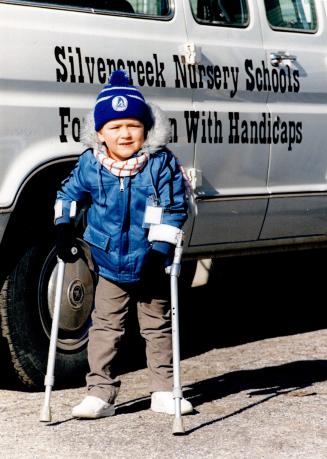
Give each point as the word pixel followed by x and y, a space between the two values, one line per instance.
pixel 261 381
pixel 264 383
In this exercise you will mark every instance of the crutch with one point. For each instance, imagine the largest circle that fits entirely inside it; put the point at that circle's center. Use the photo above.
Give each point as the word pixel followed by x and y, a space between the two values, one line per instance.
pixel 174 271
pixel 45 414
pixel 168 233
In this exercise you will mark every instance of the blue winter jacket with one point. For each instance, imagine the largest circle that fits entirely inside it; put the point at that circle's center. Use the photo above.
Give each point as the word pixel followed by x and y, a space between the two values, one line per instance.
pixel 115 221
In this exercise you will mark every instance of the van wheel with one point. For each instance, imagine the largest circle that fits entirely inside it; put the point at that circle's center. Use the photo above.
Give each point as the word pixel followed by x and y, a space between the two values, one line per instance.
pixel 26 307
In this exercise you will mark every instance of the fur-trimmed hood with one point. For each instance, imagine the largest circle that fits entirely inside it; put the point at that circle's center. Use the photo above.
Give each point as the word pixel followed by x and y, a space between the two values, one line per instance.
pixel 158 136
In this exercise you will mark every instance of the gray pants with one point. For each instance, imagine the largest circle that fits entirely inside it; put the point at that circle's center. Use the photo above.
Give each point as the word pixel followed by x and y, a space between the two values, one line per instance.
pixel 112 301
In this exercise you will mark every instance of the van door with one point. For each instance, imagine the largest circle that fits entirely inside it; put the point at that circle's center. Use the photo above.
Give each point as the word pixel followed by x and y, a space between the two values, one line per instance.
pixel 295 36
pixel 228 121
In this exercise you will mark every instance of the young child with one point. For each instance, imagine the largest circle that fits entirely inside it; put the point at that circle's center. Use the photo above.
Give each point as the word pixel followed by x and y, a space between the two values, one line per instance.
pixel 135 185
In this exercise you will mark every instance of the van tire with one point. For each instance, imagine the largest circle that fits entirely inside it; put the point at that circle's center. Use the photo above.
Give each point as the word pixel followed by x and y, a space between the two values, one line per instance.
pixel 24 330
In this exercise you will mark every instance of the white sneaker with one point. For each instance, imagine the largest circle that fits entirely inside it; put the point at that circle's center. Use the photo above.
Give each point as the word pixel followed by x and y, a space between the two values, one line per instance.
pixel 92 408
pixel 163 402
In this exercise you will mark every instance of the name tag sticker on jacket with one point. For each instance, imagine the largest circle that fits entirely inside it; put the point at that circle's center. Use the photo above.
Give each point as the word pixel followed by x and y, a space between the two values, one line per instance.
pixel 153 215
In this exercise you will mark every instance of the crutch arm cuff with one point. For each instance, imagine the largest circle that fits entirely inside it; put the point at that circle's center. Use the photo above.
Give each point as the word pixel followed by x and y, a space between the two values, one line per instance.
pixel 164 233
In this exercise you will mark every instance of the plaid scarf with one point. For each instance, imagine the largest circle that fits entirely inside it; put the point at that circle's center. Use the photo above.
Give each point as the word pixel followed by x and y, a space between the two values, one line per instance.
pixel 121 168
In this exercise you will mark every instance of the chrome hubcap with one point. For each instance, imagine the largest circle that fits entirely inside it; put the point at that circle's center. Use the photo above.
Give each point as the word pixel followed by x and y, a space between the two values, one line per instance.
pixel 77 298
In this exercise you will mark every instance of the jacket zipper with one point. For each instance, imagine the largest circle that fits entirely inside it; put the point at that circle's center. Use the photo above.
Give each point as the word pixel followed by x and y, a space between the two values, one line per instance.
pixel 125 206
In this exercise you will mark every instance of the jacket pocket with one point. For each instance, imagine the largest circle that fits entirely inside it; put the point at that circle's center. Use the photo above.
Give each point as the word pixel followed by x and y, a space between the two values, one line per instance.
pixel 96 238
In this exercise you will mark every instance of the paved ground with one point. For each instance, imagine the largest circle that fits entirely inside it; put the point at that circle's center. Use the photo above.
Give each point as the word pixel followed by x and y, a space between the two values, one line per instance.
pixel 254 366
pixel 265 399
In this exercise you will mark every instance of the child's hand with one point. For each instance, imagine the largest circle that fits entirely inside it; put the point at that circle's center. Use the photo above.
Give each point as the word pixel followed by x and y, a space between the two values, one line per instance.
pixel 156 263
pixel 66 244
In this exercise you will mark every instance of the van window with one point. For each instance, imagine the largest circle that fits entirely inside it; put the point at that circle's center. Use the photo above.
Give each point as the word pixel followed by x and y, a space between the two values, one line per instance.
pixel 221 12
pixel 298 15
pixel 137 7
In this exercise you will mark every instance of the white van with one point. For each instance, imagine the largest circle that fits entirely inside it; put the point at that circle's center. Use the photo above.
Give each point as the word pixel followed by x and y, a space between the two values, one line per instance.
pixel 244 85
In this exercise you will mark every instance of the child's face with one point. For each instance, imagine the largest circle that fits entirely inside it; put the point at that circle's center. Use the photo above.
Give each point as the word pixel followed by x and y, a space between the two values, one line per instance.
pixel 123 137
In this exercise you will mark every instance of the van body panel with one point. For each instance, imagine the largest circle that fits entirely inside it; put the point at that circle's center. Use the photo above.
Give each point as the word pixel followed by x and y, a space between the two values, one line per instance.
pixel 295 216
pixel 230 165
pixel 228 221
pixel 300 163
pixel 56 63
pixel 47 91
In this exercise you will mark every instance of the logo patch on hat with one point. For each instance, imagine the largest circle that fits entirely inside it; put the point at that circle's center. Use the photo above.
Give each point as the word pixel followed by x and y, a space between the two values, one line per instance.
pixel 119 103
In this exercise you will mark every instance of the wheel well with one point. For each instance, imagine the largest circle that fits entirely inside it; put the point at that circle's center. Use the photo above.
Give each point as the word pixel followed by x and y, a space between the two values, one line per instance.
pixel 32 218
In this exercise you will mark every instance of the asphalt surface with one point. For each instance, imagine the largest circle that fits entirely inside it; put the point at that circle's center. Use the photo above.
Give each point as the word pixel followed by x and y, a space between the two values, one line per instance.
pixel 254 366
pixel 265 399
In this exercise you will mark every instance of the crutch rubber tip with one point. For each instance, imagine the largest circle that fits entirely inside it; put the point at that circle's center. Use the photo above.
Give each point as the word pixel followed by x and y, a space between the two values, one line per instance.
pixel 45 415
pixel 178 427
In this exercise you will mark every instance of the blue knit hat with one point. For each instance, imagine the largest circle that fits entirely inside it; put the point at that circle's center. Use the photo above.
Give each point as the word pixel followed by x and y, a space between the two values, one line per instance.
pixel 118 99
